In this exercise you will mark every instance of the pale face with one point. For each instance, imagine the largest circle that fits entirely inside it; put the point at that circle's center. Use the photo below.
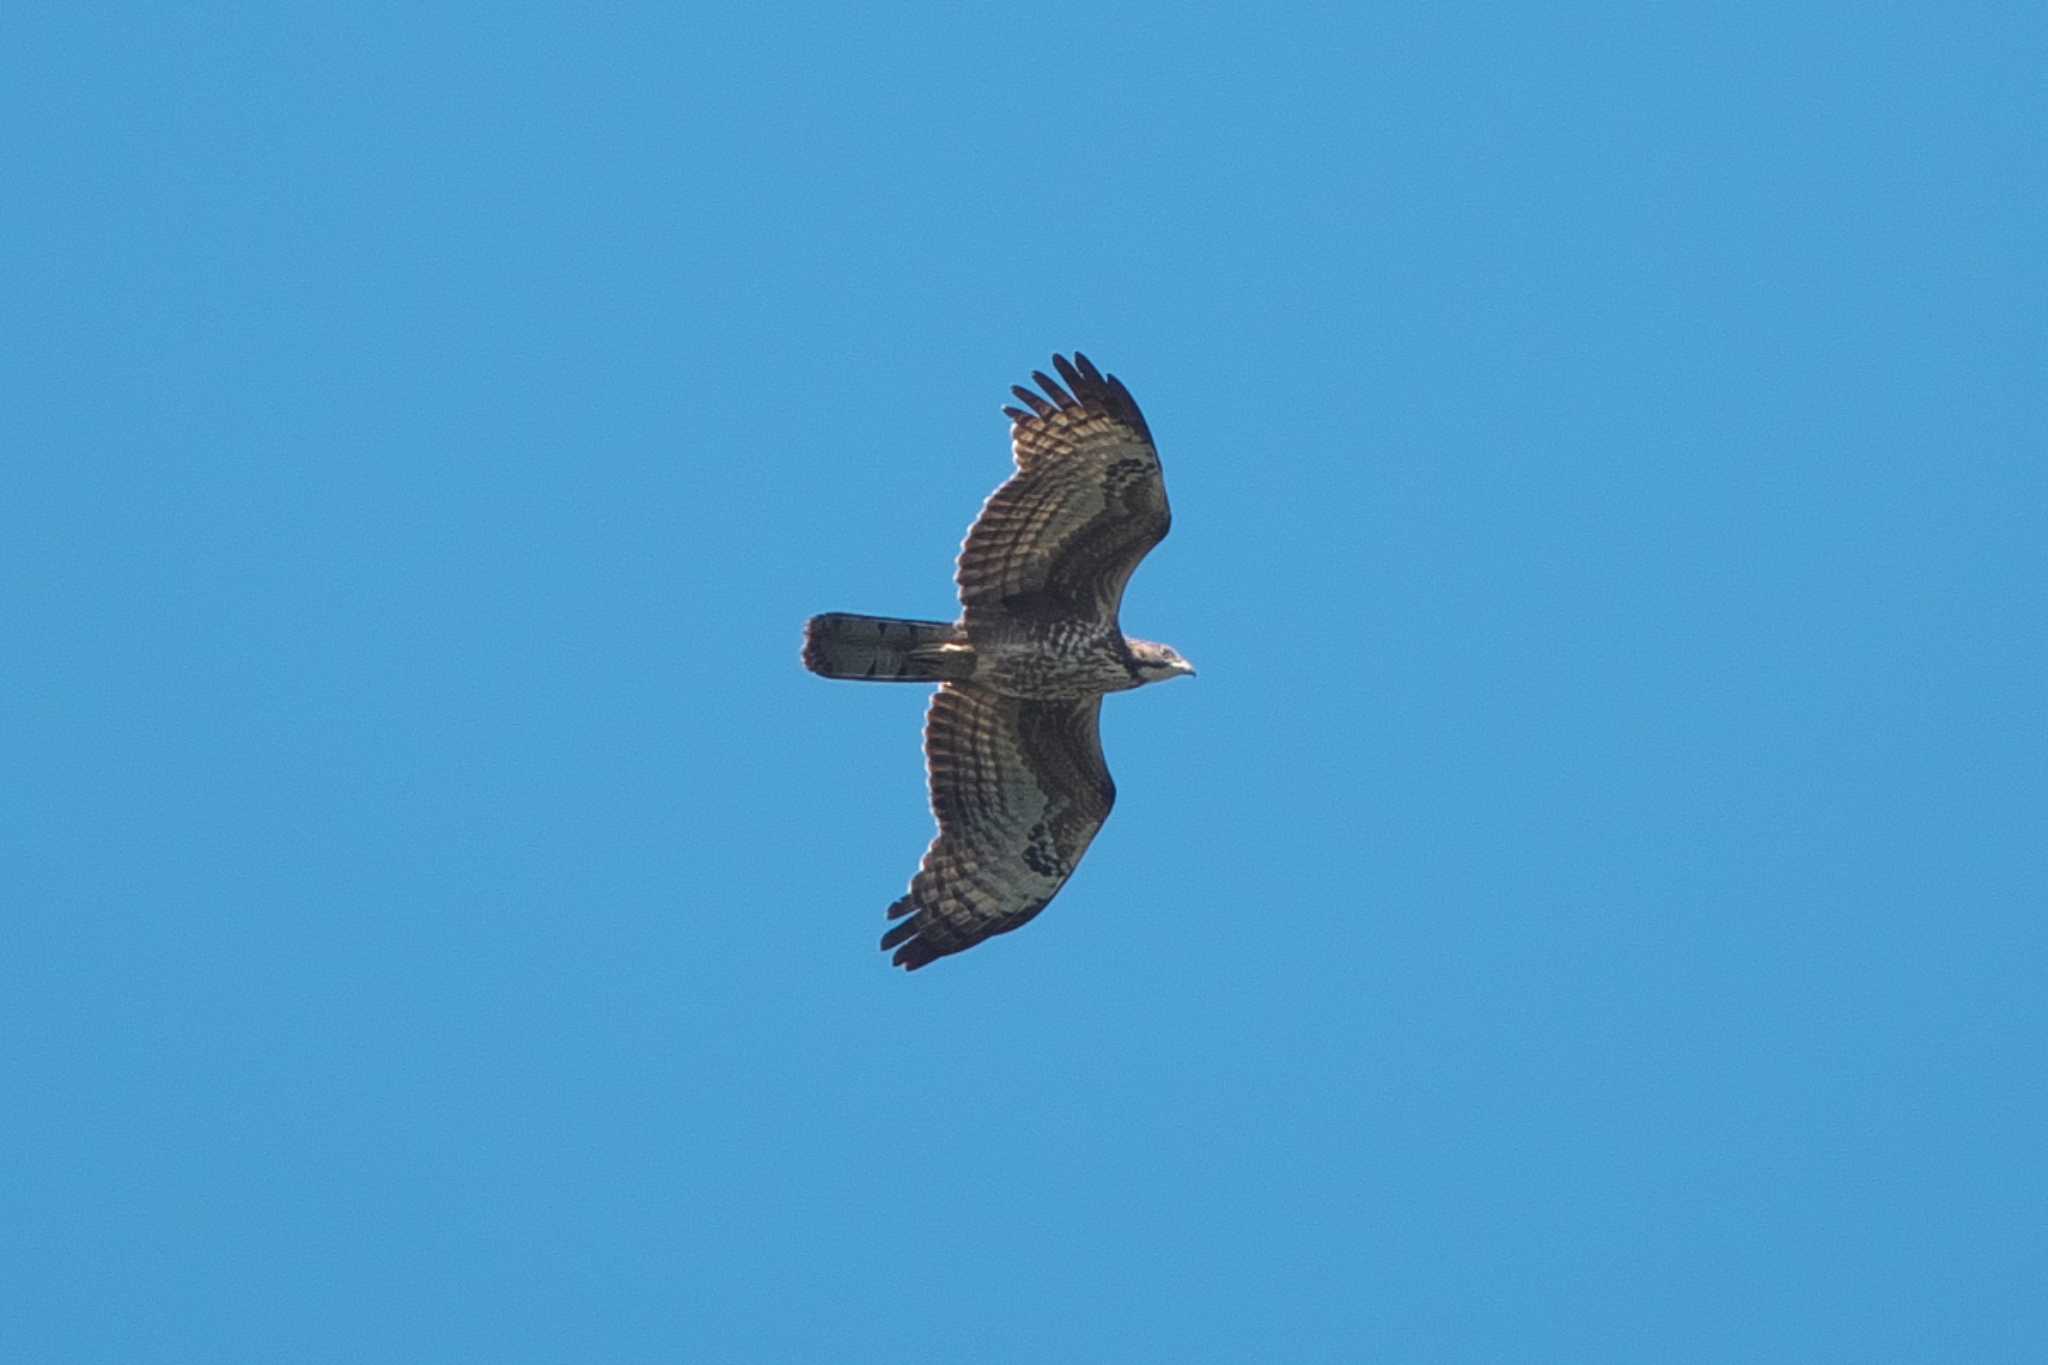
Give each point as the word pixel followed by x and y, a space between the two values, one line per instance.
pixel 1157 663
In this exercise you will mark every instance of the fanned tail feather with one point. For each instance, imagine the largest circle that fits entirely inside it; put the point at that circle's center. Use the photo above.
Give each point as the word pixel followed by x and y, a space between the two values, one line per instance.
pixel 886 648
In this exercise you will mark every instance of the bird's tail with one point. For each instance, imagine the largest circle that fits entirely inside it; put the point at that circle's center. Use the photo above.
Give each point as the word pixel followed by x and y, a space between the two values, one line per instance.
pixel 884 649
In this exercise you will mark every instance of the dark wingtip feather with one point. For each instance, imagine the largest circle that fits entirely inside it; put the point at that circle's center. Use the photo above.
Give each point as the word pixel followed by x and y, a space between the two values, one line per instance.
pixel 905 929
pixel 1052 388
pixel 1033 401
pixel 1075 379
pixel 913 955
pixel 1125 406
pixel 912 950
pixel 1085 387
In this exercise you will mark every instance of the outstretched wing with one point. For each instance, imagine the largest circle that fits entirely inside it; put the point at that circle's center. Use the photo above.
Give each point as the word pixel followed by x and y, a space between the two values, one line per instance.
pixel 1019 789
pixel 1086 503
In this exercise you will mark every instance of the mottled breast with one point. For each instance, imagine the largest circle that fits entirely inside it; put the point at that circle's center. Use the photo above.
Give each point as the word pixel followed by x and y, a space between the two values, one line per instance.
pixel 1053 661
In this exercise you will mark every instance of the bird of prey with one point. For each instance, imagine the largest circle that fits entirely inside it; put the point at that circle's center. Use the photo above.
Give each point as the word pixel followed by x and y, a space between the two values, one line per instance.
pixel 1013 749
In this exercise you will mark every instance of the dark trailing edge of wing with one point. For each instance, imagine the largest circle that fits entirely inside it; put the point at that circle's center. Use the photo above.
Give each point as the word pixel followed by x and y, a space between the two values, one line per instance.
pixel 1086 388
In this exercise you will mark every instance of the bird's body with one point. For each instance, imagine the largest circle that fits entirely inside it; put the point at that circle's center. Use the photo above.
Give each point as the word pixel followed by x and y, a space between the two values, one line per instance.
pixel 1012 742
pixel 1059 660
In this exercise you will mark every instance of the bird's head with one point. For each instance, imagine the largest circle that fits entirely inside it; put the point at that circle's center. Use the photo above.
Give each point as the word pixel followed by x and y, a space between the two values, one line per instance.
pixel 1157 663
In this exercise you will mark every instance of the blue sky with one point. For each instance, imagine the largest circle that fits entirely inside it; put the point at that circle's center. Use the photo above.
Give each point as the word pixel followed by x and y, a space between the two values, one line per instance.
pixel 1588 908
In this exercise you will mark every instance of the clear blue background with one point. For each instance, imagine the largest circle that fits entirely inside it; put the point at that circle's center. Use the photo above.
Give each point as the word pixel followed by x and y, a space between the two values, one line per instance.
pixel 1588 908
